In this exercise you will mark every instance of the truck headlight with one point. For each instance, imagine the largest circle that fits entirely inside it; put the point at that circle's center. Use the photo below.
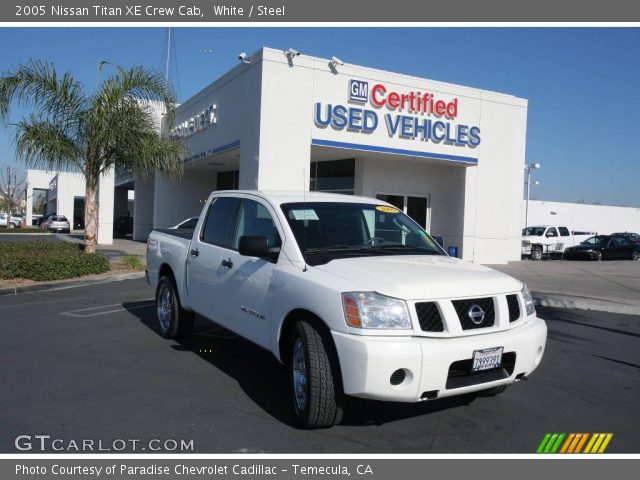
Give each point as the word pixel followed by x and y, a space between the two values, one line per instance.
pixel 528 301
pixel 372 310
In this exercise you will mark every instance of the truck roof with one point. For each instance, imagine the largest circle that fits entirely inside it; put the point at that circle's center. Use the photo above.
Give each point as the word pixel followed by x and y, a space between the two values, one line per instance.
pixel 290 196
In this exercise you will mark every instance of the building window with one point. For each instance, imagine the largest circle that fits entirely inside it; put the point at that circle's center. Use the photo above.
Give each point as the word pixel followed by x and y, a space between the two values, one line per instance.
pixel 228 180
pixel 336 176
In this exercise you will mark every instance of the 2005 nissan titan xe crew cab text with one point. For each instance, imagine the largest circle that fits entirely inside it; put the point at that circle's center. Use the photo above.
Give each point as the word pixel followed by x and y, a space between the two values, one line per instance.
pixel 351 294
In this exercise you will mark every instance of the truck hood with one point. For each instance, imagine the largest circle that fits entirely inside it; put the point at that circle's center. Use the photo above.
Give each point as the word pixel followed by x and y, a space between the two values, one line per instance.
pixel 414 277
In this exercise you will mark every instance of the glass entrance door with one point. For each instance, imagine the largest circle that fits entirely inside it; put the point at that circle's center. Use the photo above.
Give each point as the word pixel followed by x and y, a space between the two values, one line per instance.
pixel 416 206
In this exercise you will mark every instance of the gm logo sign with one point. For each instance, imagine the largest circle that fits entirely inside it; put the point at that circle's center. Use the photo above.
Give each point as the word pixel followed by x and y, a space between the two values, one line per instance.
pixel 358 91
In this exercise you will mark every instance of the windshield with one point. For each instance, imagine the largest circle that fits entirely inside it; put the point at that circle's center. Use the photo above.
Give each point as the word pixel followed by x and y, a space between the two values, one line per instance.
pixel 598 240
pixel 533 231
pixel 326 231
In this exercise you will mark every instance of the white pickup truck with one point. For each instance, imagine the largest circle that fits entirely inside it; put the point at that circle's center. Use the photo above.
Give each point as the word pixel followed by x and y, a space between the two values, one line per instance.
pixel 351 294
pixel 551 240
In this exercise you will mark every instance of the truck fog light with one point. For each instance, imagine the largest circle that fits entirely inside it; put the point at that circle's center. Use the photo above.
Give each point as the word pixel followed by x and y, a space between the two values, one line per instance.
pixel 400 376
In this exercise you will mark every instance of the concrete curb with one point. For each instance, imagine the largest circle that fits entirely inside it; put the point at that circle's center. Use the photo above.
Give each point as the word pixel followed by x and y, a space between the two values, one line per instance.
pixel 64 284
pixel 584 303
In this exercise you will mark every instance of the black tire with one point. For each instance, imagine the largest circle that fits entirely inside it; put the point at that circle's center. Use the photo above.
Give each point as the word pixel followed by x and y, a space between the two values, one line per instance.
pixel 492 392
pixel 317 399
pixel 598 256
pixel 635 255
pixel 173 320
pixel 536 253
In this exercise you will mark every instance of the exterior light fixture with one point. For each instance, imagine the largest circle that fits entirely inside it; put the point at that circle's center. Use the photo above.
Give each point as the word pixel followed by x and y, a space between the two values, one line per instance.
pixel 528 168
pixel 290 53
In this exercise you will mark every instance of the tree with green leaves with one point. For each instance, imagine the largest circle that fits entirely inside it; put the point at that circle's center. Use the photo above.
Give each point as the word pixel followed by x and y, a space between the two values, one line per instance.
pixel 69 128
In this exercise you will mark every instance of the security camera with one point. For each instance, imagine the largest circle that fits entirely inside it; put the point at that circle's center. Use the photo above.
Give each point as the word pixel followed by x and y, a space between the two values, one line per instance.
pixel 290 53
pixel 336 61
pixel 244 58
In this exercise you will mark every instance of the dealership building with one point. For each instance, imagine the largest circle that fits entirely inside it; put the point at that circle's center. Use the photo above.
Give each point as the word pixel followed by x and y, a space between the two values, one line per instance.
pixel 452 157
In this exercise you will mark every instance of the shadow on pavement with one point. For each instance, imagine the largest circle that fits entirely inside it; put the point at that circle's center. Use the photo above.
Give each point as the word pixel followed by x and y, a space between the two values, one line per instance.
pixel 266 381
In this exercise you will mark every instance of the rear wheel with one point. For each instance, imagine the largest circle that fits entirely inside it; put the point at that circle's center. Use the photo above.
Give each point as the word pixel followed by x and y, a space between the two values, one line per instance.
pixel 635 255
pixel 536 253
pixel 11 225
pixel 173 320
pixel 317 395
pixel 598 256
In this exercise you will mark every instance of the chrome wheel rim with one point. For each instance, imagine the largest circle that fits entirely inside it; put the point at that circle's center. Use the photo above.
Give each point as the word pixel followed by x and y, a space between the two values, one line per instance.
pixel 164 307
pixel 299 375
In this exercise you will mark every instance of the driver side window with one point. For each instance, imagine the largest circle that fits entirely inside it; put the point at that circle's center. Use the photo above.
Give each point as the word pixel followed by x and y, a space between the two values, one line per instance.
pixel 255 220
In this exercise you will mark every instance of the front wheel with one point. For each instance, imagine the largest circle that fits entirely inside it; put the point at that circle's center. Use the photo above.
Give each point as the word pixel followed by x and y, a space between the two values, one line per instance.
pixel 317 396
pixel 11 225
pixel 536 253
pixel 598 256
pixel 173 320
pixel 635 255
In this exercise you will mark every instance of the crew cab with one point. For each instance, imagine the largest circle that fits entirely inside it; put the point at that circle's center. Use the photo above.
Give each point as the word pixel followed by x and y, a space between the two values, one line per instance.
pixel 348 292
pixel 551 240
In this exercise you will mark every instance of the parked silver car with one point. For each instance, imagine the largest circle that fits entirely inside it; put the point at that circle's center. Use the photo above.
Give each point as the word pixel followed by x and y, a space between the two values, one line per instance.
pixel 10 221
pixel 58 223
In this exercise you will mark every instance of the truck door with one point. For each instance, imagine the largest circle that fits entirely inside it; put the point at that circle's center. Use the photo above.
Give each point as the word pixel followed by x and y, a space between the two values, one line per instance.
pixel 245 282
pixel 553 240
pixel 204 260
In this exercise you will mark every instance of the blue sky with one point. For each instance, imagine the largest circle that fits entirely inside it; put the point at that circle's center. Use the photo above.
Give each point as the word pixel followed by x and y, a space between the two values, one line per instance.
pixel 583 85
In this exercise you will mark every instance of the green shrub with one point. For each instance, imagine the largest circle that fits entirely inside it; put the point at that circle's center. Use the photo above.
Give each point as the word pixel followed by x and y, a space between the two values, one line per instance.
pixel 44 260
pixel 133 262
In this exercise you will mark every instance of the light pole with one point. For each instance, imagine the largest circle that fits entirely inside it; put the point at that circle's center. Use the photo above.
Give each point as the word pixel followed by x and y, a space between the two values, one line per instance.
pixel 528 168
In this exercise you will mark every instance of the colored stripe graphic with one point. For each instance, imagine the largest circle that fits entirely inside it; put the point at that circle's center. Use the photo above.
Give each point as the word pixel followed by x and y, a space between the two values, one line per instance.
pixel 574 443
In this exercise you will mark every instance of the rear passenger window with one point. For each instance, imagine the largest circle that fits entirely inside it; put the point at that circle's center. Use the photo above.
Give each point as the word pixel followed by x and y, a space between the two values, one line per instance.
pixel 220 222
pixel 564 231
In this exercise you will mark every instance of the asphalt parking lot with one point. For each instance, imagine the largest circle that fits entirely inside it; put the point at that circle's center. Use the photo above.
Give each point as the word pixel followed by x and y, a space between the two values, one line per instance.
pixel 86 362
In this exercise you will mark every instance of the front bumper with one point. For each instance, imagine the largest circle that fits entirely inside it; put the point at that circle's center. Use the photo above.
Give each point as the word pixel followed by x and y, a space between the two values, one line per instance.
pixel 367 362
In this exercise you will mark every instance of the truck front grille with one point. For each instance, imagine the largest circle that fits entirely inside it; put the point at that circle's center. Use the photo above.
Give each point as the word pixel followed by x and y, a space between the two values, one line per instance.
pixel 514 307
pixel 475 312
pixel 429 317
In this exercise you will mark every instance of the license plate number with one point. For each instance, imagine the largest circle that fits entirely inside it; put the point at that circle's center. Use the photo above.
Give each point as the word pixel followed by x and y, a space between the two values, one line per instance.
pixel 487 359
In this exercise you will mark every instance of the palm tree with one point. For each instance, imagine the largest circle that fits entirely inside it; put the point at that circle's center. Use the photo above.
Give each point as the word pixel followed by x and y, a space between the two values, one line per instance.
pixel 92 133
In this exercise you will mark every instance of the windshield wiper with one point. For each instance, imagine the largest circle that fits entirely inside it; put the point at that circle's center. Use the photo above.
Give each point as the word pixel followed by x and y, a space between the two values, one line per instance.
pixel 396 247
pixel 336 248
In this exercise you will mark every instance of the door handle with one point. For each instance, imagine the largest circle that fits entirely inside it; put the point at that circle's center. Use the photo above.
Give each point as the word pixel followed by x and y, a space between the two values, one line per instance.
pixel 227 263
pixel 194 252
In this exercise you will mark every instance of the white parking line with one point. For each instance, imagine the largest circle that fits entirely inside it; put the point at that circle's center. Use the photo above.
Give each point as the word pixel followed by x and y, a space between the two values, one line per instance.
pixel 91 311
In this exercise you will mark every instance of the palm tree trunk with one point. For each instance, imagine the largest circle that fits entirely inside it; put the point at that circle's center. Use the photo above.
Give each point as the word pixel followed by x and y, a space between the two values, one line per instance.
pixel 91 213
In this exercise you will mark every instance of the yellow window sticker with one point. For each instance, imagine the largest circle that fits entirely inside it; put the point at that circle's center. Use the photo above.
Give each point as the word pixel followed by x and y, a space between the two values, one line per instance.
pixel 385 209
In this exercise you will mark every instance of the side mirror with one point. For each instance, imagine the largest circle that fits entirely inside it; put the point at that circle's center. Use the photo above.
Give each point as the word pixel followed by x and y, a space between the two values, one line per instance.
pixel 256 246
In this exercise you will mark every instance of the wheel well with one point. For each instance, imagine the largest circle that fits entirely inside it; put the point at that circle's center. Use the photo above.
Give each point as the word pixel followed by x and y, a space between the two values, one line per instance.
pixel 165 270
pixel 286 331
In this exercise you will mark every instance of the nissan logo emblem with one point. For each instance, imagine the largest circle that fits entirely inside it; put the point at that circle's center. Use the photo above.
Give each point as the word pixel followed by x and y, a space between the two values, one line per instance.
pixel 476 314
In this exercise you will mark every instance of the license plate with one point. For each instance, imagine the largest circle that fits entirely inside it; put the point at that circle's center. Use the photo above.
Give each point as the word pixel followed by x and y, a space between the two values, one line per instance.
pixel 487 359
